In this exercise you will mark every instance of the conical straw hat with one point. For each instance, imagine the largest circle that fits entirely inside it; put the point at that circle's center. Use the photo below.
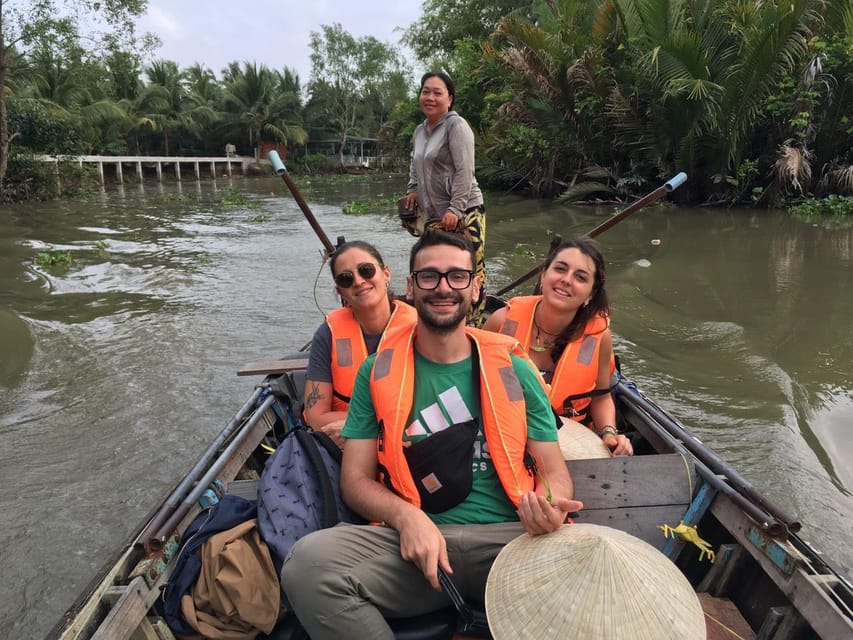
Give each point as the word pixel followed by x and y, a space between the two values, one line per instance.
pixel 578 442
pixel 589 582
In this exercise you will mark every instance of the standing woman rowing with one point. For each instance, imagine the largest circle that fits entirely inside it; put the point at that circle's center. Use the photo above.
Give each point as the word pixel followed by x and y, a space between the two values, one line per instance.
pixel 566 332
pixel 349 334
pixel 441 175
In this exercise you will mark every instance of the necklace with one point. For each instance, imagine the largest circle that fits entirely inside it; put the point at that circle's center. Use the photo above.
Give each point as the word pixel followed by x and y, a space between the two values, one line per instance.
pixel 541 343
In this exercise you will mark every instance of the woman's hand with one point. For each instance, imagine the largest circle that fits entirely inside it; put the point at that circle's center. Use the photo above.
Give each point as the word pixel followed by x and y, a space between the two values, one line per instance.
pixel 450 221
pixel 619 445
pixel 411 200
pixel 333 430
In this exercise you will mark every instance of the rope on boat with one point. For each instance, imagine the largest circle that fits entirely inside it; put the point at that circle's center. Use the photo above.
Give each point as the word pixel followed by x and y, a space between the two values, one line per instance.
pixel 733 633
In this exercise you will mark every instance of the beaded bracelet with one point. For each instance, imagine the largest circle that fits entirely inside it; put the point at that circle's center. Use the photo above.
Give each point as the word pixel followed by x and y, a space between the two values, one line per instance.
pixel 608 430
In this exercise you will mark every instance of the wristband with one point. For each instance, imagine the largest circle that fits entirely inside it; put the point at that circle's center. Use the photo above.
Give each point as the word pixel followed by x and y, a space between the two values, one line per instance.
pixel 608 430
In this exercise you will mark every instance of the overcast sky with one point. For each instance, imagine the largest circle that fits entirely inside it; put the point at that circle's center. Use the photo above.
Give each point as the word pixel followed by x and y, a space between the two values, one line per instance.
pixel 271 32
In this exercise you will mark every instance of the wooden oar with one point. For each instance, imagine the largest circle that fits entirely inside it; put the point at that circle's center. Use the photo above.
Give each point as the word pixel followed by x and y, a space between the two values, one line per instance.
pixel 647 199
pixel 158 538
pixel 281 170
pixel 180 492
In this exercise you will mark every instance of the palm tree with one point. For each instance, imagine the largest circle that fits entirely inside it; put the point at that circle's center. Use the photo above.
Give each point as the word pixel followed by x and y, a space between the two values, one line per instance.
pixel 260 100
pixel 679 84
pixel 711 68
pixel 167 102
pixel 543 132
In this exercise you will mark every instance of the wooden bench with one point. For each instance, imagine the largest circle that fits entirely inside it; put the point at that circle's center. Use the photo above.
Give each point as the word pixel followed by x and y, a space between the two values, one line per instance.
pixel 272 367
pixel 634 494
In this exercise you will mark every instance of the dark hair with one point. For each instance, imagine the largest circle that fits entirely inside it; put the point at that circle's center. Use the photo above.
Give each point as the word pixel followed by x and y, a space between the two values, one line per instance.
pixel 598 305
pixel 355 244
pixel 436 237
pixel 451 90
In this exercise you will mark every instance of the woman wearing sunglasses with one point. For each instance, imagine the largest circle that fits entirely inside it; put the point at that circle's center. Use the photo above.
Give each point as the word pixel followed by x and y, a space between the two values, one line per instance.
pixel 349 334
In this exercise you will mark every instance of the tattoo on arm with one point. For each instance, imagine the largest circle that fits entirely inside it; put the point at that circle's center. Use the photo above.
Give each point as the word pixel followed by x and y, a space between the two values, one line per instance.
pixel 313 397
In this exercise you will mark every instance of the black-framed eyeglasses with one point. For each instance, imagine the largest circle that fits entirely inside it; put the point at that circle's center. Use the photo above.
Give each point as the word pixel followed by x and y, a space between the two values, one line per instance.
pixel 429 279
pixel 345 279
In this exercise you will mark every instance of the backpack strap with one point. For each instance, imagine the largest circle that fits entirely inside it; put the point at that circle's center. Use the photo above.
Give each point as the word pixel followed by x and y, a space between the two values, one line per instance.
pixel 308 440
pixel 341 396
pixel 324 440
pixel 568 409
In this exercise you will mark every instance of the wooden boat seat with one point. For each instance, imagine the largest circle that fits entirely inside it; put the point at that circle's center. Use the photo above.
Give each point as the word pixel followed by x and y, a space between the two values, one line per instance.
pixel 634 494
pixel 273 367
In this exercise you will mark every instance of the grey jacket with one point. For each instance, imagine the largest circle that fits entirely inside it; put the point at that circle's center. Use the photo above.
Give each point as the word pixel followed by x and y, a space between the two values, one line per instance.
pixel 442 169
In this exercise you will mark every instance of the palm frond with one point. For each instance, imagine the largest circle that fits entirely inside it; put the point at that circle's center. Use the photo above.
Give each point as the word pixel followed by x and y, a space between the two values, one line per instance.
pixel 838 181
pixel 792 169
pixel 581 190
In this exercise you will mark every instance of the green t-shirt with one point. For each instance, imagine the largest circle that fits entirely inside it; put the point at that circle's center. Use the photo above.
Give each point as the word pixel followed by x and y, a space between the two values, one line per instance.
pixel 445 395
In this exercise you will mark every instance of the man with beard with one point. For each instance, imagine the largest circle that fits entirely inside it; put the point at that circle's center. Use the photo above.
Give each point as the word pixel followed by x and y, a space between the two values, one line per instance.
pixel 452 447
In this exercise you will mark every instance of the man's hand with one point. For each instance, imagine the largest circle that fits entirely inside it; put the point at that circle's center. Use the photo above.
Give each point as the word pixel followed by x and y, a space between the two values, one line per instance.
pixel 422 544
pixel 411 200
pixel 450 221
pixel 540 516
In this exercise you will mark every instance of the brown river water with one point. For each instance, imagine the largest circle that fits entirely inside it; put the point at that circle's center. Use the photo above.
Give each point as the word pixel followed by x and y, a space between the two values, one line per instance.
pixel 116 371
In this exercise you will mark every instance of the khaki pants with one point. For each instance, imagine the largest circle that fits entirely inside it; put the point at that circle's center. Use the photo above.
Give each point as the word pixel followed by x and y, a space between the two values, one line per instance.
pixel 344 581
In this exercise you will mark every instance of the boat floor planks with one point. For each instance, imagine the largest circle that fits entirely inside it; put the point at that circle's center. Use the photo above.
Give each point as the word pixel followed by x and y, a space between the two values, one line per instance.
pixel 723 620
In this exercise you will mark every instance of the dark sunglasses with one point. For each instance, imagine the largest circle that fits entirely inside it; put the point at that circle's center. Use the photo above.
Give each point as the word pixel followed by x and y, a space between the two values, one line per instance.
pixel 345 279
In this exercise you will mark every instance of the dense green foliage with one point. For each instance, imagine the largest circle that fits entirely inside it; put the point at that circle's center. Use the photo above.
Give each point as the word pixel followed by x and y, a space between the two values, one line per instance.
pixel 610 97
pixel 829 206
pixel 600 99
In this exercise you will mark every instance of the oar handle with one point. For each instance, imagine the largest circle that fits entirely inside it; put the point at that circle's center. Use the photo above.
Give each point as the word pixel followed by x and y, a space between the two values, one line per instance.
pixel 670 185
pixel 676 181
pixel 280 169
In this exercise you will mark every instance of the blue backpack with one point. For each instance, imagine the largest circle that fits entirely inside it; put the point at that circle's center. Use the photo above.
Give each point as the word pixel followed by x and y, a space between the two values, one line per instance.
pixel 299 491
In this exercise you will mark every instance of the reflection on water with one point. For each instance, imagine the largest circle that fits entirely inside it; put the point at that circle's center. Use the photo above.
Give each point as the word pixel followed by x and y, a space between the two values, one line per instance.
pixel 115 370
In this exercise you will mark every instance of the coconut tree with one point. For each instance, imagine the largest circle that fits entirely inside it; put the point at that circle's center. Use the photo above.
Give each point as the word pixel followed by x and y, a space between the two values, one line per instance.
pixel 166 101
pixel 703 74
pixel 548 126
pixel 24 25
pixel 203 86
pixel 259 100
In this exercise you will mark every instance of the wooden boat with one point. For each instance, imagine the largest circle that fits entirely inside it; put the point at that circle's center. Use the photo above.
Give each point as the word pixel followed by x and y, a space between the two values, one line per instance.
pixel 766 582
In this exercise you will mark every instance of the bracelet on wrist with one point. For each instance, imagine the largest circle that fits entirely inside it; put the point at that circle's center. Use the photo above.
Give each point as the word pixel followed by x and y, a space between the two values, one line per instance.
pixel 608 430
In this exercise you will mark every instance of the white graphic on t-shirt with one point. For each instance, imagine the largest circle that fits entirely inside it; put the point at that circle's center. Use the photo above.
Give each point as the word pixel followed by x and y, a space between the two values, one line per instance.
pixel 434 418
pixel 455 405
pixel 416 429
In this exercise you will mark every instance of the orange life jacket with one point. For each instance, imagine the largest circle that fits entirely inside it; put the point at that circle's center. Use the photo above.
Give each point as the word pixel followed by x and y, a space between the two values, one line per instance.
pixel 576 372
pixel 349 349
pixel 502 405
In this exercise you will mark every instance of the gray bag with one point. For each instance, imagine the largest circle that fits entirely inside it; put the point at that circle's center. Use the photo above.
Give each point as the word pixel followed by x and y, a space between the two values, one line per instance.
pixel 299 491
